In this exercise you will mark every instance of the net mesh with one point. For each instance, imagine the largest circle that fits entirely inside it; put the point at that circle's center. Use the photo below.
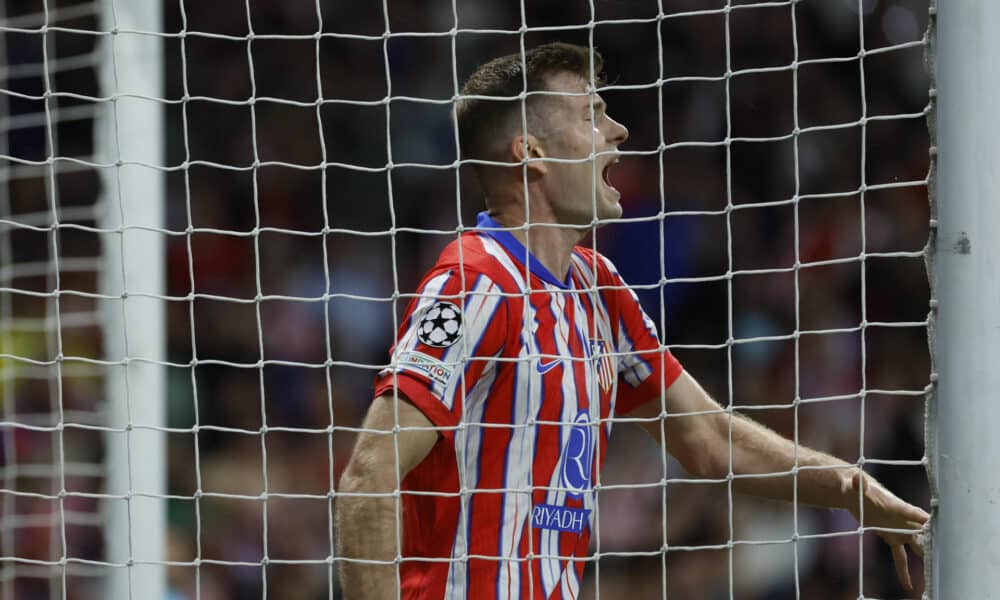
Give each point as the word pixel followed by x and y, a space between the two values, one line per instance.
pixel 50 263
pixel 775 195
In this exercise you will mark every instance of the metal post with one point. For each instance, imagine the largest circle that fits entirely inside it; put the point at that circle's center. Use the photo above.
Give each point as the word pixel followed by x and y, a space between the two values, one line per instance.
pixel 964 446
pixel 131 130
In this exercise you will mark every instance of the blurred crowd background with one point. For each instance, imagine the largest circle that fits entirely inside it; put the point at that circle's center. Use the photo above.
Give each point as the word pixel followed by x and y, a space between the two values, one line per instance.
pixel 697 208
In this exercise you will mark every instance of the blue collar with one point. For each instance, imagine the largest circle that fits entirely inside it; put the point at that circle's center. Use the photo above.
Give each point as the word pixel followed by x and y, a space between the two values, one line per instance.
pixel 488 226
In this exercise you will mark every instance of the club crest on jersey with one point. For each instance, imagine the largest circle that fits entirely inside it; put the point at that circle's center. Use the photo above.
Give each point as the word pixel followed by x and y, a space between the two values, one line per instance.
pixel 604 366
pixel 441 326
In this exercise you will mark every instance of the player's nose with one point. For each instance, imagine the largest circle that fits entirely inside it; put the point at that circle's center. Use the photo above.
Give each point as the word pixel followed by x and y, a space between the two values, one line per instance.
pixel 617 133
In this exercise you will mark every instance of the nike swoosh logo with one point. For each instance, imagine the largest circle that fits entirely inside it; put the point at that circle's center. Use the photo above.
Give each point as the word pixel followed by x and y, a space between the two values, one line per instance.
pixel 544 367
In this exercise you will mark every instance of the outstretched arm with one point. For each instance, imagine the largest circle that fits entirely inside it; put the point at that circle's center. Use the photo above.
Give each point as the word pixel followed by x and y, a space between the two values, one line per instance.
pixel 366 525
pixel 700 441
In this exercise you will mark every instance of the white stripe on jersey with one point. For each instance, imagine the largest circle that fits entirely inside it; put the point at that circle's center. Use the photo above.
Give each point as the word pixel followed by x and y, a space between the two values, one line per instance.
pixel 467 449
pixel 457 566
pixel 594 406
pixel 569 583
pixel 481 304
pixel 605 332
pixel 430 294
pixel 596 298
pixel 495 250
pixel 516 504
pixel 583 328
pixel 583 267
pixel 604 328
pixel 520 450
pixel 519 471
pixel 549 546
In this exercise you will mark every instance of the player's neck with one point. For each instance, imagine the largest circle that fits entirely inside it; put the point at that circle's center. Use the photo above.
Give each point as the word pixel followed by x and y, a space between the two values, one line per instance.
pixel 550 244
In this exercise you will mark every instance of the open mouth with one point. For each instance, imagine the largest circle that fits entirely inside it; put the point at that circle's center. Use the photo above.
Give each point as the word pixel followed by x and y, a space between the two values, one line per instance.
pixel 606 173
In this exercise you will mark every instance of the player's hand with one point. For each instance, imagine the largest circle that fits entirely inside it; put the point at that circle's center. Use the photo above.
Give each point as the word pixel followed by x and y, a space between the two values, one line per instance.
pixel 882 508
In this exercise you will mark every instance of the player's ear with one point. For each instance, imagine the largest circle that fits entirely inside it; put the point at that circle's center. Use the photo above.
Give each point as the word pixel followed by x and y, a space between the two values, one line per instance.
pixel 529 147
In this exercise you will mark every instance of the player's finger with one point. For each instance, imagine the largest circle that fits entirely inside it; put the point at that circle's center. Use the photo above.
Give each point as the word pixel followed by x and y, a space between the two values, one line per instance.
pixel 902 568
pixel 915 525
pixel 915 513
pixel 916 544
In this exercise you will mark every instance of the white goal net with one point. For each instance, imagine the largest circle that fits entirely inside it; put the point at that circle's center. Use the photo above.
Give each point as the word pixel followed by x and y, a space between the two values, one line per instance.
pixel 775 195
pixel 50 266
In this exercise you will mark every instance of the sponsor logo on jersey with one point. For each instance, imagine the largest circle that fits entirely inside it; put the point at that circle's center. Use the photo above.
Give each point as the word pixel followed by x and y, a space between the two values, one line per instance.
pixel 544 366
pixel 575 472
pixel 578 456
pixel 561 518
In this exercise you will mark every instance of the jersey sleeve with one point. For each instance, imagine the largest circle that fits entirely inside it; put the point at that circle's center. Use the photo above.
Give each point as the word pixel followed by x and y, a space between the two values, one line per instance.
pixel 645 367
pixel 446 344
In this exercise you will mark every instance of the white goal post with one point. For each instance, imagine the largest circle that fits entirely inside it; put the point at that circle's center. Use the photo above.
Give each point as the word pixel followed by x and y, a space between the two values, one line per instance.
pixel 83 483
pixel 130 140
pixel 963 442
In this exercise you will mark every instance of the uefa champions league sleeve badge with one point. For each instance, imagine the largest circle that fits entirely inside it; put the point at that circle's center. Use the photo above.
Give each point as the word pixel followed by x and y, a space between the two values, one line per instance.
pixel 441 326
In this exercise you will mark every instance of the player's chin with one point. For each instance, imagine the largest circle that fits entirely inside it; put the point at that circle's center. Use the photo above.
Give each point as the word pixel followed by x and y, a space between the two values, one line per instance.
pixel 611 206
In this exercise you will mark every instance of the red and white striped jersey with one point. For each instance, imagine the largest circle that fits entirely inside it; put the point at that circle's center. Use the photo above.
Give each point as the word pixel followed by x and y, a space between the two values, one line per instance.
pixel 522 372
